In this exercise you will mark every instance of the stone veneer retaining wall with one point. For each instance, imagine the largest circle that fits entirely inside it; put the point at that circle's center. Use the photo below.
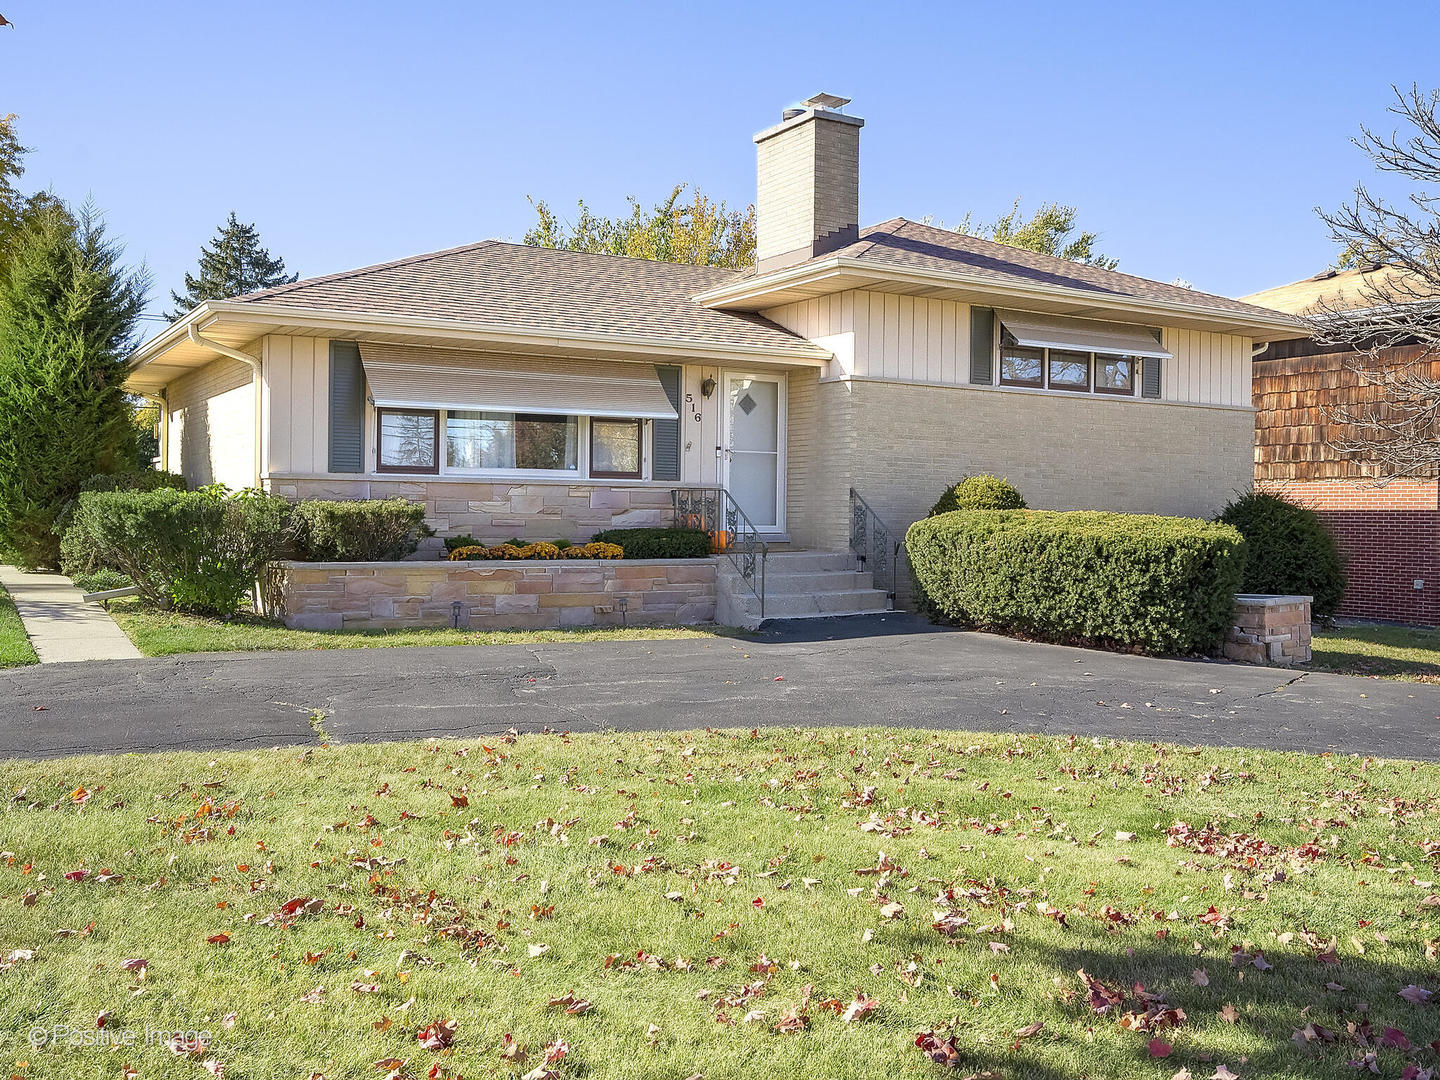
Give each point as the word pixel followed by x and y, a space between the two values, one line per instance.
pixel 495 511
pixel 520 595
pixel 1270 630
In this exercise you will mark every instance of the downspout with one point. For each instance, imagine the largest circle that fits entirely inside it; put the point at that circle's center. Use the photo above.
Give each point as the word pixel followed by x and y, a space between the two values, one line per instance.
pixel 255 368
pixel 1258 347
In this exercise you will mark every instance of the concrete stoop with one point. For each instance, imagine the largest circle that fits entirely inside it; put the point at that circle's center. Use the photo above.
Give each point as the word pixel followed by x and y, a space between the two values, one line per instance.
pixel 798 585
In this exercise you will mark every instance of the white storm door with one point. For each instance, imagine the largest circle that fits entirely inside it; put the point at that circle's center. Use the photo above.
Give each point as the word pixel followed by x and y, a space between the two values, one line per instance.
pixel 753 462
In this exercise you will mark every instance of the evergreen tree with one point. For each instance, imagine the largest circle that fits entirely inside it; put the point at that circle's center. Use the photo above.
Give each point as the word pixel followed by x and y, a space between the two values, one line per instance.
pixel 16 208
pixel 68 312
pixel 232 264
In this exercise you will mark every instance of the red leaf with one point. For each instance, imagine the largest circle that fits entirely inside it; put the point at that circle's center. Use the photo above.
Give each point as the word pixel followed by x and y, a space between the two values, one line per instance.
pixel 1159 1048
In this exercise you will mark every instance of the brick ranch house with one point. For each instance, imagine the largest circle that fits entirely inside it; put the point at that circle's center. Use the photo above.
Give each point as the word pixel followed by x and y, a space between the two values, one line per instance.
pixel 539 393
pixel 1388 529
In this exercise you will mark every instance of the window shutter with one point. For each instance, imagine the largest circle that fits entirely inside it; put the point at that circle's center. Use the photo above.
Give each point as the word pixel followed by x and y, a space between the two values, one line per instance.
pixel 347 408
pixel 1150 377
pixel 666 462
pixel 982 345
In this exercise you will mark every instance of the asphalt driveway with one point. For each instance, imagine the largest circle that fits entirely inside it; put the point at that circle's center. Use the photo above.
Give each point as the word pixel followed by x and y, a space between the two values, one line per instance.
pixel 893 669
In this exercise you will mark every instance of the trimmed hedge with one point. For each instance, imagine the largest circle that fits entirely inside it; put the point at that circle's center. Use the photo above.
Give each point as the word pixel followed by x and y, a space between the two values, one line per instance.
pixel 537 551
pixel 200 551
pixel 1289 549
pixel 1160 584
pixel 658 543
pixel 982 492
pixel 359 530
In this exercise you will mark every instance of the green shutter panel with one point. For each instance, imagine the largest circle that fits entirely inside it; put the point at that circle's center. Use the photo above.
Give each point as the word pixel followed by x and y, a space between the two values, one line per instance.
pixel 347 408
pixel 1150 377
pixel 982 345
pixel 666 462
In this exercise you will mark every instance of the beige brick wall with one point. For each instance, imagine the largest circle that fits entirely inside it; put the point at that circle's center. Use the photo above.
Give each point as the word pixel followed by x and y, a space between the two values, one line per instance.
pixel 900 444
pixel 807 186
pixel 495 595
pixel 212 425
pixel 497 511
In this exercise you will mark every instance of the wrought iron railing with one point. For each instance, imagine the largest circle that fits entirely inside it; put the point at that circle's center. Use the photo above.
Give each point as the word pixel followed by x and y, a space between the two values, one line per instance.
pixel 874 545
pixel 731 531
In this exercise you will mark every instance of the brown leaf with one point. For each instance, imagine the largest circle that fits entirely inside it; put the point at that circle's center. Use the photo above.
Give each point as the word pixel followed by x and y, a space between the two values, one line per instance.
pixel 1030 1029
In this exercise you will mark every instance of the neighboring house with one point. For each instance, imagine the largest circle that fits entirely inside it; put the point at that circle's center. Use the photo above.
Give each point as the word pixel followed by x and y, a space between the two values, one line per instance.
pixel 539 393
pixel 1388 529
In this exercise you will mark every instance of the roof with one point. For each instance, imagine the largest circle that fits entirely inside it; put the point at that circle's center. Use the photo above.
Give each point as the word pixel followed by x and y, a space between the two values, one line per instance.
pixel 533 288
pixel 1337 288
pixel 901 245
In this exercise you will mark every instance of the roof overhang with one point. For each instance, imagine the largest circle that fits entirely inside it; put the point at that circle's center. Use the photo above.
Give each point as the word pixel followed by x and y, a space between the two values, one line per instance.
pixel 171 353
pixel 820 277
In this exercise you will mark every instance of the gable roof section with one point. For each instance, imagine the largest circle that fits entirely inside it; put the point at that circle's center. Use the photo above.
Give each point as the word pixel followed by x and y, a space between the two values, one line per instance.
pixel 1353 288
pixel 899 246
pixel 529 288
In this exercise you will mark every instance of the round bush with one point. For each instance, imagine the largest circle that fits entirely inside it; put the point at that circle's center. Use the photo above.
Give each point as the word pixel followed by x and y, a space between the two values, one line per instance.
pixel 981 492
pixel 1291 550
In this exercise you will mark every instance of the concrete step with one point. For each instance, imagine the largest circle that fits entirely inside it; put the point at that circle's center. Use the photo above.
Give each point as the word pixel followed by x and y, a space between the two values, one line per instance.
pixel 789 582
pixel 809 605
pixel 799 562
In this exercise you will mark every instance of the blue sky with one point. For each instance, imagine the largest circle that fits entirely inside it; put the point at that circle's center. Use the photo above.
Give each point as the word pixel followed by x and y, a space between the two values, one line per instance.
pixel 1196 139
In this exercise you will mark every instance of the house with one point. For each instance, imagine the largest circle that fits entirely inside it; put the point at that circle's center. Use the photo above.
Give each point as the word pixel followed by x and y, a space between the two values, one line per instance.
pixel 537 393
pixel 1388 528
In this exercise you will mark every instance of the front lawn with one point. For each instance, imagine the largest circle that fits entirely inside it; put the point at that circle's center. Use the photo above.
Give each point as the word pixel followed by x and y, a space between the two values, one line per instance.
pixel 15 647
pixel 1397 652
pixel 728 904
pixel 163 633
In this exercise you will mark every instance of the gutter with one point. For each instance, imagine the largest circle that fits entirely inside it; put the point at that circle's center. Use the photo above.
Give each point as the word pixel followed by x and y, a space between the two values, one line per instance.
pixel 256 383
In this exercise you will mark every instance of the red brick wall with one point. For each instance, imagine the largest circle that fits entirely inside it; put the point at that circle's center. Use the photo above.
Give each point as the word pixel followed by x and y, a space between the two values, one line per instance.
pixel 1357 495
pixel 1385 551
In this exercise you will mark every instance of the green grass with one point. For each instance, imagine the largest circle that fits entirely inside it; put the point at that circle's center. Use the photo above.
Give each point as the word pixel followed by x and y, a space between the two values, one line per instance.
pixel 161 633
pixel 1394 652
pixel 15 647
pixel 657 875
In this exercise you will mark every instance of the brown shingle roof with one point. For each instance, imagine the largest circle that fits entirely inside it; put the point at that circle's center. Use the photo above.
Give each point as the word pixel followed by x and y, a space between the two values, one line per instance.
pixel 909 245
pixel 530 288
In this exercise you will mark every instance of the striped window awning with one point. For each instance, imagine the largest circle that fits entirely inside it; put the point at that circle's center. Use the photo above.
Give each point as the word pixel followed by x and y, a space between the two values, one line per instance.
pixel 1084 335
pixel 412 377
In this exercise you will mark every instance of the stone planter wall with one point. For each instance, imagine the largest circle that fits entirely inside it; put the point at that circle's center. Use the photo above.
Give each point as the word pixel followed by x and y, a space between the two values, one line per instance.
pixel 496 511
pixel 521 594
pixel 1270 630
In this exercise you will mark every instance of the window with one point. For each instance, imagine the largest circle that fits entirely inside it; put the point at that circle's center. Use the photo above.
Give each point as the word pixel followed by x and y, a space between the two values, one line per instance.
pixel 1021 367
pixel 615 448
pixel 409 440
pixel 1069 370
pixel 491 440
pixel 1115 374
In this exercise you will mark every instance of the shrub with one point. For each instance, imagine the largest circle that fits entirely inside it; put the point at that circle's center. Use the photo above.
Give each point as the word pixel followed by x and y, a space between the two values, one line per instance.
pixel 81 560
pixel 983 492
pixel 100 581
pixel 1289 549
pixel 357 530
pixel 658 543
pixel 1161 584
pixel 199 551
pixel 453 542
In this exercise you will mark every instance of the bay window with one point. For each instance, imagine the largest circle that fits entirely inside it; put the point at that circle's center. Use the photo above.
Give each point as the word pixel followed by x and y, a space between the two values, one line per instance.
pixel 481 441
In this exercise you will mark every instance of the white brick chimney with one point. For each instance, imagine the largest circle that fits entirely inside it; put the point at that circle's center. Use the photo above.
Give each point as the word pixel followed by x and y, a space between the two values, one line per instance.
pixel 808 190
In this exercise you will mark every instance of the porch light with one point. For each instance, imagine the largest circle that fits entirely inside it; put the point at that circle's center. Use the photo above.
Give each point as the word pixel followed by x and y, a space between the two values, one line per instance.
pixel 707 388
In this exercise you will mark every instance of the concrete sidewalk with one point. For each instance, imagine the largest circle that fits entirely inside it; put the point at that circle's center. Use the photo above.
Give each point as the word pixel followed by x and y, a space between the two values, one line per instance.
pixel 62 627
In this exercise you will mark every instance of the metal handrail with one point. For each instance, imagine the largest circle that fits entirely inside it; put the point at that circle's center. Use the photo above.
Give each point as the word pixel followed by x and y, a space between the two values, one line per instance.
pixel 874 544
pixel 736 537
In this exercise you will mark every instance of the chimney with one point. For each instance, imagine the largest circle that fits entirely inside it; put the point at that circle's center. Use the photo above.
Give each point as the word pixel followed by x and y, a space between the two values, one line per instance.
pixel 808 191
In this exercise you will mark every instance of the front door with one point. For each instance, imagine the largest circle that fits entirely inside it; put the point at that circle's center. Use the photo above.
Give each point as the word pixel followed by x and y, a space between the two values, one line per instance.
pixel 753 462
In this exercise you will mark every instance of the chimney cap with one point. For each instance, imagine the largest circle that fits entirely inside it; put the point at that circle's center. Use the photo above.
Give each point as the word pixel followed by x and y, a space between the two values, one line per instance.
pixel 825 101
